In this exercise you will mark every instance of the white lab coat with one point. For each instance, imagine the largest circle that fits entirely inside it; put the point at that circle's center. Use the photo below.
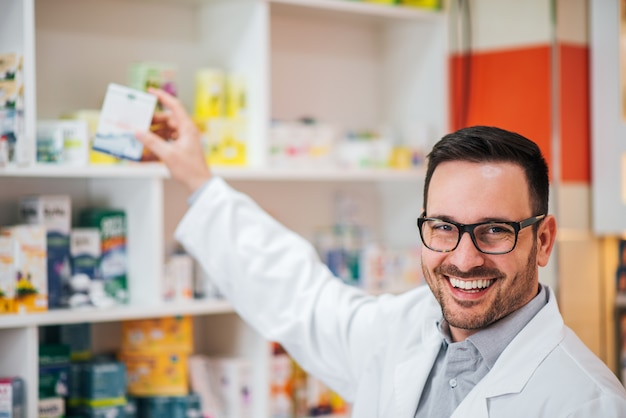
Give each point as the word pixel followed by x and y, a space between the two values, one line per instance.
pixel 377 352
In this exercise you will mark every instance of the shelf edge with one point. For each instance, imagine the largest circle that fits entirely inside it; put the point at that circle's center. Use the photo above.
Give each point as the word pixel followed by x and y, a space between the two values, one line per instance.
pixel 122 313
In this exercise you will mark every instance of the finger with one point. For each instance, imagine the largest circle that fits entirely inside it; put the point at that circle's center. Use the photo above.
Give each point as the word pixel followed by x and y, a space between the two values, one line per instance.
pixel 147 155
pixel 154 143
pixel 171 102
pixel 164 118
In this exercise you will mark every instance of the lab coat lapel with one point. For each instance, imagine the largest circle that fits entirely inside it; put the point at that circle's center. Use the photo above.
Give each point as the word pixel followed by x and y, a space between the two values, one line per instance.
pixel 517 363
pixel 411 374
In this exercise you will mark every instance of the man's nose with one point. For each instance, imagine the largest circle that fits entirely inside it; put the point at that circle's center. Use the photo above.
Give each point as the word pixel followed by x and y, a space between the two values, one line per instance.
pixel 466 255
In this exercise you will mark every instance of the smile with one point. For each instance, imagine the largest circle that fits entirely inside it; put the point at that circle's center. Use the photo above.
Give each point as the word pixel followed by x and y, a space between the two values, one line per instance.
pixel 471 284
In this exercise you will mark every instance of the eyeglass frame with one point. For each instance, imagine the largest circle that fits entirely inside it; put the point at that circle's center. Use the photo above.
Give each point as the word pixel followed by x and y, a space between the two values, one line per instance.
pixel 469 228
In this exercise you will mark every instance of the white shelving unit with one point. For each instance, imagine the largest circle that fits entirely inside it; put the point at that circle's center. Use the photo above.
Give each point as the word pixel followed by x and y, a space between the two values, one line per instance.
pixel 355 65
pixel 606 36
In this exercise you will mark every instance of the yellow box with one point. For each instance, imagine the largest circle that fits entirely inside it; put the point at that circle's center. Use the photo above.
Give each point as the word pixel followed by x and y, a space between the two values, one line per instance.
pixel 30 267
pixel 7 305
pixel 236 96
pixel 156 374
pixel 424 4
pixel 381 1
pixel 7 274
pixel 158 335
pixel 226 142
pixel 210 96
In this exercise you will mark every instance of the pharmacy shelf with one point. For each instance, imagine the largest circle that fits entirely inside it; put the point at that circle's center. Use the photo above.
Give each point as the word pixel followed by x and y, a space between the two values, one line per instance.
pixel 157 170
pixel 344 8
pixel 120 313
pixel 127 170
pixel 350 64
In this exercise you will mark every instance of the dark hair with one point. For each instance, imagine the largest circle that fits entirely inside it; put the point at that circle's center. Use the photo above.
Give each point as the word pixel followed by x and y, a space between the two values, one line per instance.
pixel 490 144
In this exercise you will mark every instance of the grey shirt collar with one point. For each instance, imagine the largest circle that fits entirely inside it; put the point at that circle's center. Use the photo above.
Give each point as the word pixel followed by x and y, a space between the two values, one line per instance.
pixel 492 341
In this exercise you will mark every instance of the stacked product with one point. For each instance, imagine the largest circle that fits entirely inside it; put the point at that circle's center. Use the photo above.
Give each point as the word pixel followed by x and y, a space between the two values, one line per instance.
pixel 54 371
pixel 63 142
pixel 155 353
pixel 23 269
pixel 45 263
pixel 53 212
pixel 97 388
pixel 353 256
pixel 12 397
pixel 11 109
pixel 224 385
pixel 73 380
pixel 111 286
pixel 220 113
pixel 422 4
pixel 296 394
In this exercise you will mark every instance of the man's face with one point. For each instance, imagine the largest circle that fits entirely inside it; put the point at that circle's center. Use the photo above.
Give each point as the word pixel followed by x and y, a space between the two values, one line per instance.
pixel 467 193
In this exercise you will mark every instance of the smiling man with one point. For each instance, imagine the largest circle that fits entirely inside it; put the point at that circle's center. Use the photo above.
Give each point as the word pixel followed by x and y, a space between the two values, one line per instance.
pixel 483 339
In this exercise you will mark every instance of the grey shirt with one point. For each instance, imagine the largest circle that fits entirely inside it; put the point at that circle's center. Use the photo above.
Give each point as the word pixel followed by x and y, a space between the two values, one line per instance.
pixel 461 365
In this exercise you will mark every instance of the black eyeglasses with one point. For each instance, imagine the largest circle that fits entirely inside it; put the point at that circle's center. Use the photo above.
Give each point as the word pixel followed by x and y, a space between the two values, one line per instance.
pixel 488 237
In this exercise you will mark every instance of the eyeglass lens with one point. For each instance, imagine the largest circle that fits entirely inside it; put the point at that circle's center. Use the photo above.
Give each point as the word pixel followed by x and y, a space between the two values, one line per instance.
pixel 489 237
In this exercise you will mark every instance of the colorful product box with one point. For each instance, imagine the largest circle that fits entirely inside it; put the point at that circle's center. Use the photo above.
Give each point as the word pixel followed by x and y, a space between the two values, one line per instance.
pixel 160 75
pixel 92 118
pixel 7 274
pixel 236 96
pixel 131 408
pixel 53 212
pixel 124 111
pixel 210 94
pixel 30 266
pixel 54 370
pixel 281 402
pixel 169 406
pixel 85 254
pixel 104 411
pixel 205 383
pixel 235 385
pixel 10 66
pixel 10 94
pixel 97 383
pixel 75 336
pixel 178 278
pixel 63 141
pixel 51 407
pixel 113 260
pixel 422 4
pixel 11 130
pixel 226 142
pixel 156 374
pixel 12 397
pixel 174 334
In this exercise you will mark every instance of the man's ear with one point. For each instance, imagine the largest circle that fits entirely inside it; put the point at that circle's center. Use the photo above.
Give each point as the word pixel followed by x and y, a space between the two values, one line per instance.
pixel 546 237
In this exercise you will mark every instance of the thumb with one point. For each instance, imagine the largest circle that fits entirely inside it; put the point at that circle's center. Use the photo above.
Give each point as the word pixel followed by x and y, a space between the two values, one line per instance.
pixel 154 143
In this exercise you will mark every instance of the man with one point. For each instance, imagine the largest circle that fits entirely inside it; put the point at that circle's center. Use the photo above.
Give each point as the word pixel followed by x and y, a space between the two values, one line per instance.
pixel 484 339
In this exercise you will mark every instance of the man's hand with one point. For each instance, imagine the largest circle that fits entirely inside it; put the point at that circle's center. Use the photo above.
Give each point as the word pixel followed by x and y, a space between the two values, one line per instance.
pixel 176 141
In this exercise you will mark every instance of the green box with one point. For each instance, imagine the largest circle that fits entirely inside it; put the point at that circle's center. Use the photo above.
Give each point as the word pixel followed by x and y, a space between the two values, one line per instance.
pixel 54 370
pixel 113 259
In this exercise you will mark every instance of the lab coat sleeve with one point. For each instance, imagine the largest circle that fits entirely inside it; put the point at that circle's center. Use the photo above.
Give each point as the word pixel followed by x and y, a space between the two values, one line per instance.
pixel 276 282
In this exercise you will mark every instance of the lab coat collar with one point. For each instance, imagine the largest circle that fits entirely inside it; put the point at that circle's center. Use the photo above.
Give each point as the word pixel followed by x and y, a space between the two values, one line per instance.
pixel 511 372
pixel 411 374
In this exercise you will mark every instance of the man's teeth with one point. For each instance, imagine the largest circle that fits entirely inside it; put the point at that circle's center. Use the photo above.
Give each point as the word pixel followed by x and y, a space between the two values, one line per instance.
pixel 471 284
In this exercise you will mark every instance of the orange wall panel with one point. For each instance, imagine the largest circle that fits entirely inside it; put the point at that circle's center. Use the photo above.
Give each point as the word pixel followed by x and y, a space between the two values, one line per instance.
pixel 508 88
pixel 574 113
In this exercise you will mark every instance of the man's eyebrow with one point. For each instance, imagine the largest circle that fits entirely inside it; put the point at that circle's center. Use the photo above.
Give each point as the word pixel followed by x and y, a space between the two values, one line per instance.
pixel 481 220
